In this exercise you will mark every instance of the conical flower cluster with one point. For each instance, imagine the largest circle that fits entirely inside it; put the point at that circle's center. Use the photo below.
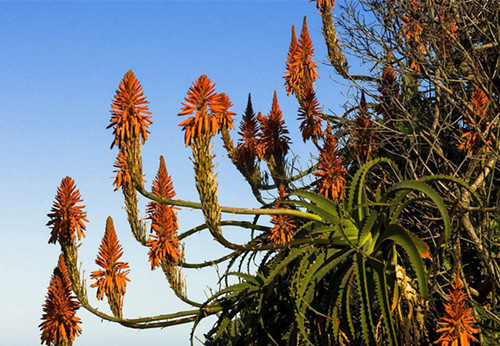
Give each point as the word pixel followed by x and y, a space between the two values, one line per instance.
pixel 364 136
pixel 389 91
pixel 59 322
pixel 164 245
pixel 330 182
pixel 129 111
pixel 300 68
pixel 209 109
pixel 327 4
pixel 66 216
pixel 310 114
pixel 457 327
pixel 247 149
pixel 476 120
pixel 273 137
pixel 283 225
pixel 112 279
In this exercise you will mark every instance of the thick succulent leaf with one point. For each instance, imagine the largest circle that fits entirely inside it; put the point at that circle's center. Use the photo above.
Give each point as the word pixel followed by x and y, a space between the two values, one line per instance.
pixel 365 308
pixel 383 297
pixel 357 190
pixel 401 237
pixel 430 193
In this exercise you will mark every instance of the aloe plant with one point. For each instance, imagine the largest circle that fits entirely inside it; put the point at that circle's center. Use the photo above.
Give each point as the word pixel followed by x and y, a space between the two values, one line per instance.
pixel 334 269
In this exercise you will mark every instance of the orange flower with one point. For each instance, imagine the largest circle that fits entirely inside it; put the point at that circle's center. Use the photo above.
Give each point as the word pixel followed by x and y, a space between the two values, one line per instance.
pixel 122 175
pixel 273 137
pixel 476 121
pixel 389 90
pixel 310 114
pixel 249 129
pixel 112 281
pixel 284 226
pixel 457 326
pixel 289 74
pixel 301 69
pixel 324 3
pixel 129 111
pixel 164 245
pixel 446 17
pixel 364 136
pixel 204 103
pixel 225 117
pixel 59 323
pixel 330 182
pixel 66 217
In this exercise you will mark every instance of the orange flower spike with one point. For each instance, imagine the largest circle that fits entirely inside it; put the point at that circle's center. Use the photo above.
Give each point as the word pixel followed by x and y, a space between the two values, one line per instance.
pixel 201 98
pixel 284 226
pixel 330 173
pixel 290 80
pixel 112 280
pixel 66 216
pixel 164 245
pixel 324 3
pixel 225 117
pixel 274 139
pixel 129 111
pixel 122 175
pixel 479 104
pixel 304 66
pixel 249 129
pixel 59 322
pixel 364 136
pixel 310 114
pixel 458 325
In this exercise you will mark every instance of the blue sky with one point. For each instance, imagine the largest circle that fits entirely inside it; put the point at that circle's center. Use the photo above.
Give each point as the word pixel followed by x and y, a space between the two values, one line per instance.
pixel 61 63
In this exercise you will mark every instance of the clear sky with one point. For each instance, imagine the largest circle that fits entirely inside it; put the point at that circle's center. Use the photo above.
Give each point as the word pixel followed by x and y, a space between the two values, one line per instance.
pixel 60 64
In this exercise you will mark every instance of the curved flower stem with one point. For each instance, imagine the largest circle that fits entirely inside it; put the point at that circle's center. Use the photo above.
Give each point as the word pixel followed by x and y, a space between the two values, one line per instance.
pixel 209 263
pixel 244 224
pixel 230 210
pixel 295 177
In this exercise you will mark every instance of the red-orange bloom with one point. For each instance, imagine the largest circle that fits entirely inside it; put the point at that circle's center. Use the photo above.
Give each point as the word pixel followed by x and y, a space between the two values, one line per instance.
pixel 389 90
pixel 289 74
pixel 203 102
pixel 273 136
pixel 476 120
pixel 249 130
pixel 310 114
pixel 330 182
pixel 129 111
pixel 301 69
pixel 457 327
pixel 164 245
pixel 122 175
pixel 59 322
pixel 225 116
pixel 66 217
pixel 284 226
pixel 112 280
pixel 364 136
pixel 324 3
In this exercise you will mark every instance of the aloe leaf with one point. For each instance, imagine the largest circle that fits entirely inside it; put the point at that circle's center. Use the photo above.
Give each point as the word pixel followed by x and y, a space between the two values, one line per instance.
pixel 401 237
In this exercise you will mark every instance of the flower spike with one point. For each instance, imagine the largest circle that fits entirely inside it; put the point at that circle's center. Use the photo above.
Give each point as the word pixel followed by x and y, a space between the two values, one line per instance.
pixel 204 103
pixel 164 245
pixel 129 111
pixel 66 216
pixel 310 114
pixel 457 327
pixel 59 323
pixel 274 139
pixel 330 182
pixel 112 279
